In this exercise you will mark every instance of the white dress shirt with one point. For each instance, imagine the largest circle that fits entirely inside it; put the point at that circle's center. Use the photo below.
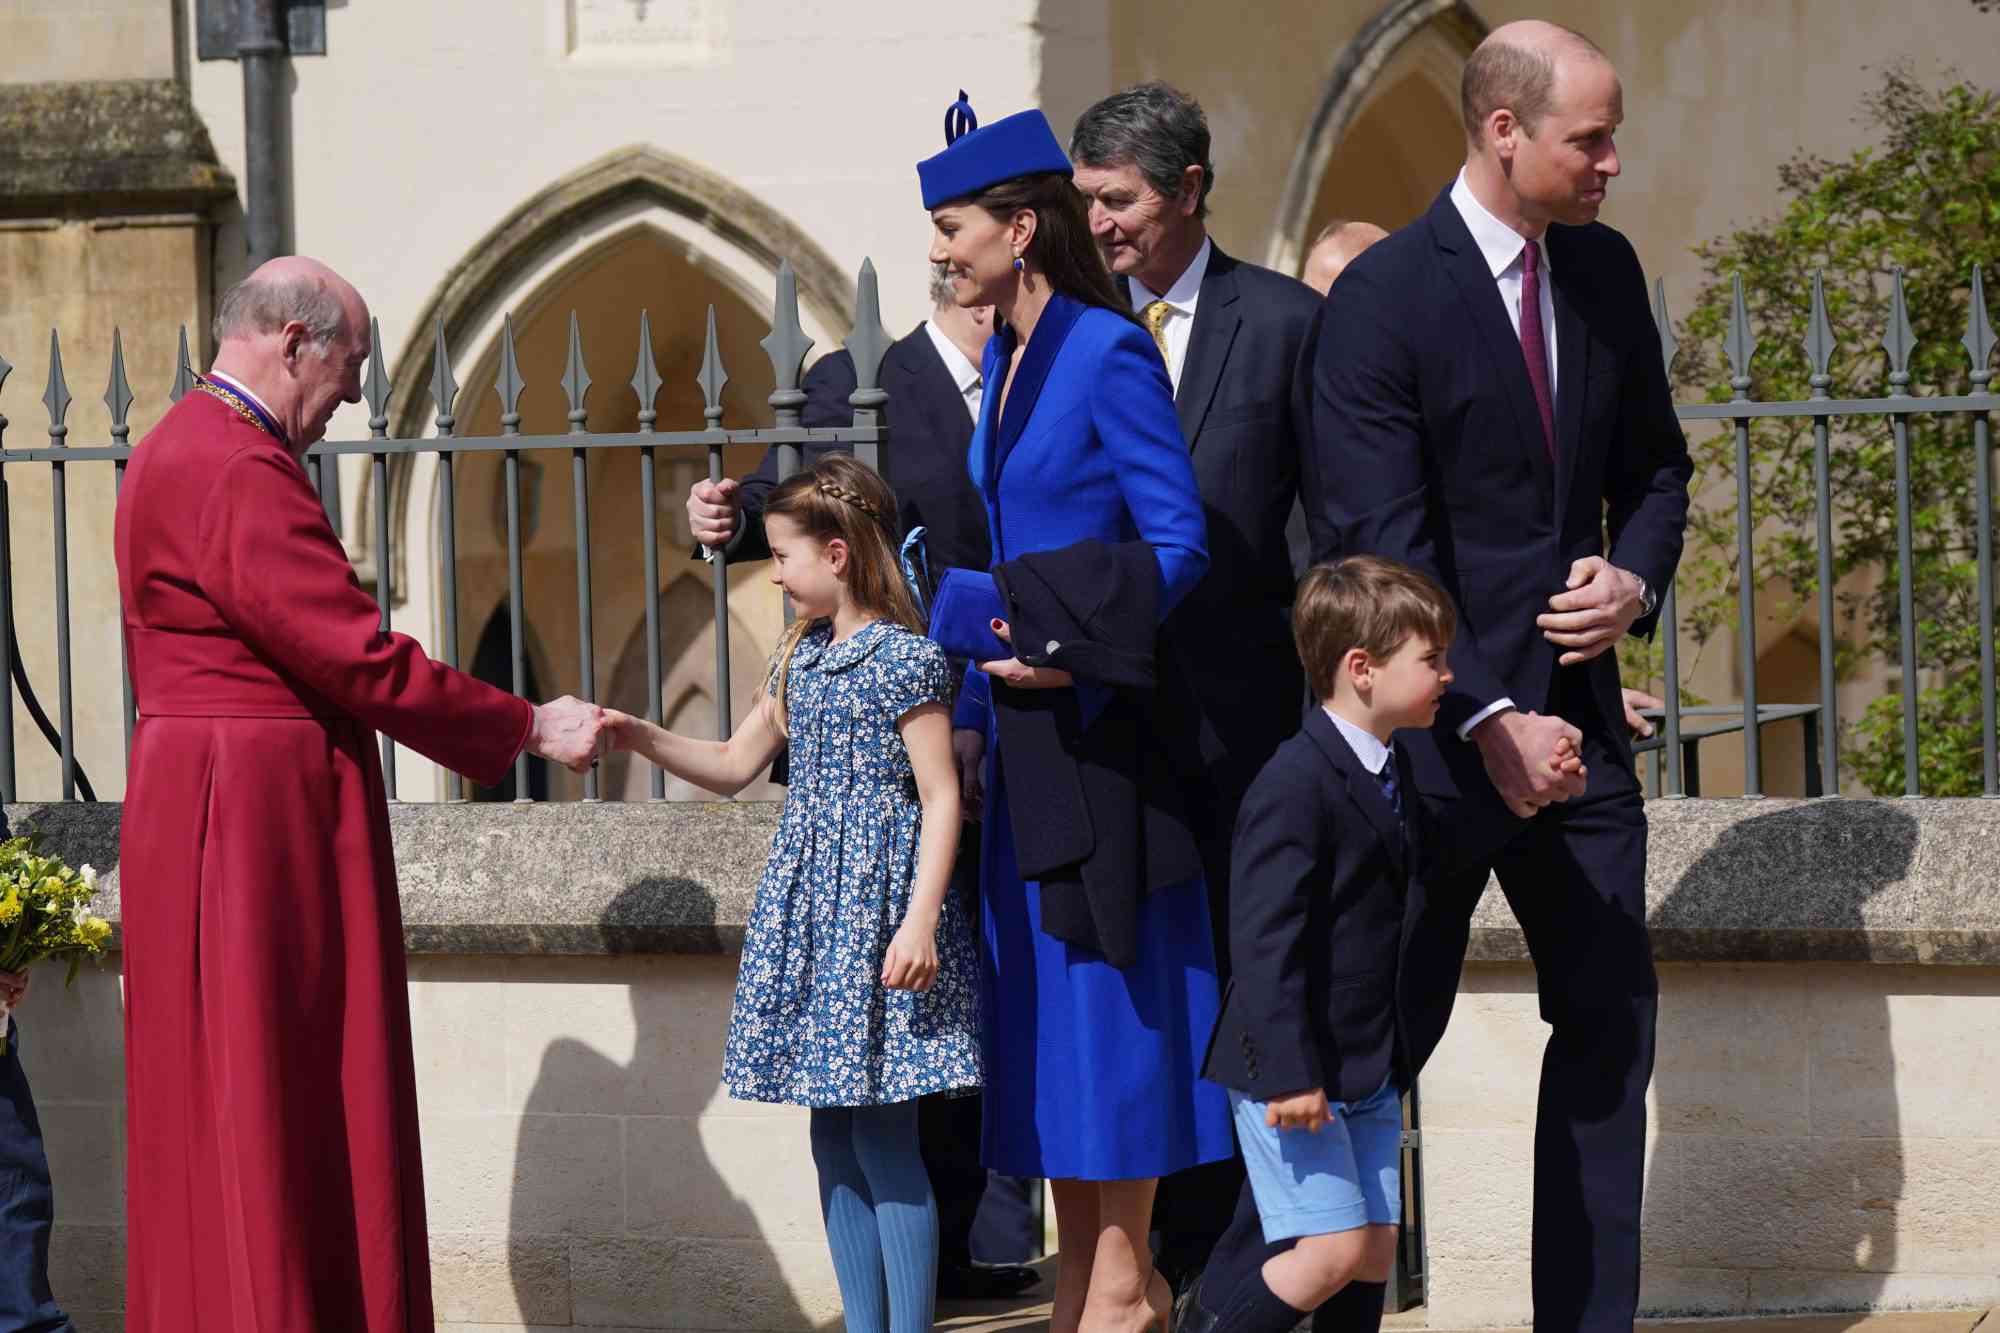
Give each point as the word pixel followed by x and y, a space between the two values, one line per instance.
pixel 1502 247
pixel 1372 753
pixel 1181 300
pixel 971 386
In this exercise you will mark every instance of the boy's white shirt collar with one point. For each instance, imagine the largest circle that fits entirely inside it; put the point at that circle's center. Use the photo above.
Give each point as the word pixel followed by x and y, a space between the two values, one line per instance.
pixel 1372 753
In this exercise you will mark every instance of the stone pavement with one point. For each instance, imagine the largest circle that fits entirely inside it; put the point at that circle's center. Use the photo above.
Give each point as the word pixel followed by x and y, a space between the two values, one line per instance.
pixel 1031 1315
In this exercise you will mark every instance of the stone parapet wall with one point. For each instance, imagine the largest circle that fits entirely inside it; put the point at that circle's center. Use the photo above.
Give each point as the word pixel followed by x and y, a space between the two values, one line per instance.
pixel 1821 1130
pixel 1881 881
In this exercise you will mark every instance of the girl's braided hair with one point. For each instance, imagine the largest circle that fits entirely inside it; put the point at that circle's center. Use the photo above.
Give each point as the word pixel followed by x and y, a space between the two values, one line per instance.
pixel 841 498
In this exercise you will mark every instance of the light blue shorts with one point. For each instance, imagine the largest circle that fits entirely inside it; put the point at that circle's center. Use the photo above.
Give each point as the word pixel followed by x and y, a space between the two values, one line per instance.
pixel 1348 1175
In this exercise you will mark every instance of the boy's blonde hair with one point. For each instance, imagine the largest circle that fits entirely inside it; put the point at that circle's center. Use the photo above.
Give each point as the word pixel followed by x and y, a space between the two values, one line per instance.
pixel 1367 602
pixel 840 497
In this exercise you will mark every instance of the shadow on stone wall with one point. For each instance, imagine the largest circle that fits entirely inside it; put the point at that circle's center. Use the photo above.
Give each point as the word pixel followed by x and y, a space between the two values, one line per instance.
pixel 1760 1164
pixel 663 1270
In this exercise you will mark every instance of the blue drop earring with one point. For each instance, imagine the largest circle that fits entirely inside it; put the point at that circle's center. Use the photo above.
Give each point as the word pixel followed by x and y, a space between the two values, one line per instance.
pixel 1018 265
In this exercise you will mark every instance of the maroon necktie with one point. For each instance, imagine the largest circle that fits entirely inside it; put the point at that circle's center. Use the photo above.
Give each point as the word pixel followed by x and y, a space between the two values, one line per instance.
pixel 1534 345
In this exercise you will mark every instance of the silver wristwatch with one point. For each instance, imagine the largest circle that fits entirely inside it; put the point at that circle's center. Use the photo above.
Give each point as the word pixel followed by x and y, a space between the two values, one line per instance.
pixel 1648 599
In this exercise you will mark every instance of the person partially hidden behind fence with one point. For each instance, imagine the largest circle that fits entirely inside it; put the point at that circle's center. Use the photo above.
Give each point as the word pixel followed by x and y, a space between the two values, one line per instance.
pixel 1310 1042
pixel 274 1179
pixel 858 990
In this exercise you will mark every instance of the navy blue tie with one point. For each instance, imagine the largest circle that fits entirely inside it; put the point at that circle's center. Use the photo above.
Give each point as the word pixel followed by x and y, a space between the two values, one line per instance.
pixel 1387 777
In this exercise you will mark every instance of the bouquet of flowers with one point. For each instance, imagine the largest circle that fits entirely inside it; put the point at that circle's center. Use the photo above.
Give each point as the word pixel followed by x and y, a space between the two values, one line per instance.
pixel 44 913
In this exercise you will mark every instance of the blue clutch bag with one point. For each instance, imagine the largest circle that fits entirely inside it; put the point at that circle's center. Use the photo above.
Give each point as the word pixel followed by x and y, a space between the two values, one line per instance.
pixel 963 610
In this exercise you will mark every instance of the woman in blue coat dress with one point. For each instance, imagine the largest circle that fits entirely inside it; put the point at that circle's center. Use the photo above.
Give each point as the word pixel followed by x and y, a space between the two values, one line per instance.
pixel 1092 1068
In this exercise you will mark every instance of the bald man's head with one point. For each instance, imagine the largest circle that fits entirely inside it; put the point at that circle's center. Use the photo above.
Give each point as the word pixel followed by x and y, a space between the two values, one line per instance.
pixel 1541 104
pixel 1515 67
pixel 1334 249
pixel 296 334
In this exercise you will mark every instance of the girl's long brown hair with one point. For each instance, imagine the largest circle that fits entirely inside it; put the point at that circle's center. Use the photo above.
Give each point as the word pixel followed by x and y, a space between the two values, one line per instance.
pixel 1061 247
pixel 839 497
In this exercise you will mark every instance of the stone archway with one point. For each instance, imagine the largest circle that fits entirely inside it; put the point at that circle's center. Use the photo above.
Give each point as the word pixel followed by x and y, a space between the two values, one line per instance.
pixel 1385 88
pixel 717 225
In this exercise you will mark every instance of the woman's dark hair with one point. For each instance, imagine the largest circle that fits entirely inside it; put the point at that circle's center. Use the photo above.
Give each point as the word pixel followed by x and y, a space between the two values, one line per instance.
pixel 1062 247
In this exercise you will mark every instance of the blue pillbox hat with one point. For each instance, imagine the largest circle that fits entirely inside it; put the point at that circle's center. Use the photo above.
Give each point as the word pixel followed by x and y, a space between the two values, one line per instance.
pixel 1018 145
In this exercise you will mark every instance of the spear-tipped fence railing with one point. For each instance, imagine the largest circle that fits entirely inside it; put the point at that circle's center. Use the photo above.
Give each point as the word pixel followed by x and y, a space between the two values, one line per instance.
pixel 1673 752
pixel 1897 407
pixel 787 346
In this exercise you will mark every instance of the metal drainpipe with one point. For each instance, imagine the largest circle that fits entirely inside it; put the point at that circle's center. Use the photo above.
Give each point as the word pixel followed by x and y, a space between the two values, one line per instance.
pixel 260 48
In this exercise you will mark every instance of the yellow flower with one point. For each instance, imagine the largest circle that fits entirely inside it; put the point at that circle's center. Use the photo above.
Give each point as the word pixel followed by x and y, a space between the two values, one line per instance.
pixel 10 906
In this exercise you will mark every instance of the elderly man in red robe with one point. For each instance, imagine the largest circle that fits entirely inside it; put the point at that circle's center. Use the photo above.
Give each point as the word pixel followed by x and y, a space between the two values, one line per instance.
pixel 273 1177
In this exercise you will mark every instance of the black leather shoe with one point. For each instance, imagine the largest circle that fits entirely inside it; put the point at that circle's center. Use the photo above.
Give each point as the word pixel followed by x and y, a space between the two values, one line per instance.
pixel 984 1282
pixel 1190 1315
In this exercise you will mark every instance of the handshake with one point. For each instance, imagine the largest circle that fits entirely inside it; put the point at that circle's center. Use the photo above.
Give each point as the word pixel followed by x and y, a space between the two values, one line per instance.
pixel 573 733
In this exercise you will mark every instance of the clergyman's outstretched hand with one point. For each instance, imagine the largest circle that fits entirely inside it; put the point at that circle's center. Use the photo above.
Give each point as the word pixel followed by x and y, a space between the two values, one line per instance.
pixel 567 731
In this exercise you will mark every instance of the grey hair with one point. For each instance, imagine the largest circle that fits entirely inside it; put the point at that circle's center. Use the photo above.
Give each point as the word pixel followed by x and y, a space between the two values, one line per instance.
pixel 941 286
pixel 1157 128
pixel 265 305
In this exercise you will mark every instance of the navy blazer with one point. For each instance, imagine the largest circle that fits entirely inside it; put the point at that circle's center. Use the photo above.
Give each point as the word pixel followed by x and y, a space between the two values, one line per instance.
pixel 1428 447
pixel 1319 919
pixel 1236 405
pixel 924 460
pixel 1095 801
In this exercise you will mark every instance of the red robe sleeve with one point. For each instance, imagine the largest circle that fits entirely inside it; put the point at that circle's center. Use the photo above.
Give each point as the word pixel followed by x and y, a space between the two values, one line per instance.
pixel 272 567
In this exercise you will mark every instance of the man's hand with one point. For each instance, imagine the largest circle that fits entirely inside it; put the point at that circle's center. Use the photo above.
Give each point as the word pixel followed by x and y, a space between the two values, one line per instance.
pixel 1596 612
pixel 567 731
pixel 714 510
pixel 1532 758
pixel 968 750
pixel 1634 701
pixel 1019 674
pixel 1300 1110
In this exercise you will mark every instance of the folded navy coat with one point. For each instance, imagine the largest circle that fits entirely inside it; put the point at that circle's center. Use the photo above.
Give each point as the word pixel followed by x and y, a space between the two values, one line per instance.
pixel 1095 775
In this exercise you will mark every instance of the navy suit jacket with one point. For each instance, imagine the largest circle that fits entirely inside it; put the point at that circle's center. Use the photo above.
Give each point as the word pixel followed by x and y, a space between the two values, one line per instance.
pixel 1236 405
pixel 1319 919
pixel 1428 448
pixel 924 463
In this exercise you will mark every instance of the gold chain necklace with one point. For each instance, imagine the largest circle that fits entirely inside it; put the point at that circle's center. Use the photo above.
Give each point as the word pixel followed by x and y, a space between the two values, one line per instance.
pixel 236 404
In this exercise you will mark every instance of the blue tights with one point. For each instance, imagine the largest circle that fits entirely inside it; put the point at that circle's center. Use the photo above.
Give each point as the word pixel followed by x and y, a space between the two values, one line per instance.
pixel 881 1219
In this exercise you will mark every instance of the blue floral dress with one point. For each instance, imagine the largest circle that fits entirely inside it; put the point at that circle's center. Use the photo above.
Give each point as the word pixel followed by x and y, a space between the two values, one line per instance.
pixel 812 1023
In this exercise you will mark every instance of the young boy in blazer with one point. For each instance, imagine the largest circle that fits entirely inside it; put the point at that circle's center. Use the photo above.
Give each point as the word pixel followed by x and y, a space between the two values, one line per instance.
pixel 1327 848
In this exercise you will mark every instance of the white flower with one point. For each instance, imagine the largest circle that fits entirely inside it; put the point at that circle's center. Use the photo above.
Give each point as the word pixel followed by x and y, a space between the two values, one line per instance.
pixel 88 875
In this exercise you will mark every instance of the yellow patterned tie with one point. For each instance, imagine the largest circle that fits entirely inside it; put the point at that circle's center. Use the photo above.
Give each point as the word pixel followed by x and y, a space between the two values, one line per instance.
pixel 1155 318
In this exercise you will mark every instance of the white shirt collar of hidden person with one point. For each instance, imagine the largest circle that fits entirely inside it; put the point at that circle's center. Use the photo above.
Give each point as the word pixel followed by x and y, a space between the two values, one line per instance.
pixel 963 372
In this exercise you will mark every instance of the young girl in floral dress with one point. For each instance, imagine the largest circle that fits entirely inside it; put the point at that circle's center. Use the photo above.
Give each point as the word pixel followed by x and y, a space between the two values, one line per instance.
pixel 858 989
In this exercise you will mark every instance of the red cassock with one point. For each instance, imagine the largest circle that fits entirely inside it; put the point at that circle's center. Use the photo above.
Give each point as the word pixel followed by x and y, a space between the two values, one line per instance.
pixel 273 1177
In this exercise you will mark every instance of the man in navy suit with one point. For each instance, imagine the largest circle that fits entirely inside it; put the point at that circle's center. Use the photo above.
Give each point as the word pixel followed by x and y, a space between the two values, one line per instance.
pixel 933 382
pixel 1230 333
pixel 1488 401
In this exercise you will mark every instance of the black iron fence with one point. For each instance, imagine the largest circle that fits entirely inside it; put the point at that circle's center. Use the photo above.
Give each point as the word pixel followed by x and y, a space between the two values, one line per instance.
pixel 1671 754
pixel 786 345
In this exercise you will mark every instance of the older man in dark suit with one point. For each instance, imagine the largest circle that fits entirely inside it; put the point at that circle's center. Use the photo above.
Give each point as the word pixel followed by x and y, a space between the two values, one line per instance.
pixel 1230 333
pixel 1487 386
pixel 933 381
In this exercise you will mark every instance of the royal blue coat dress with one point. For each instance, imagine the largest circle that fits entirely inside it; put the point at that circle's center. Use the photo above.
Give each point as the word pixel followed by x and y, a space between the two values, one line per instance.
pixel 1092 1071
